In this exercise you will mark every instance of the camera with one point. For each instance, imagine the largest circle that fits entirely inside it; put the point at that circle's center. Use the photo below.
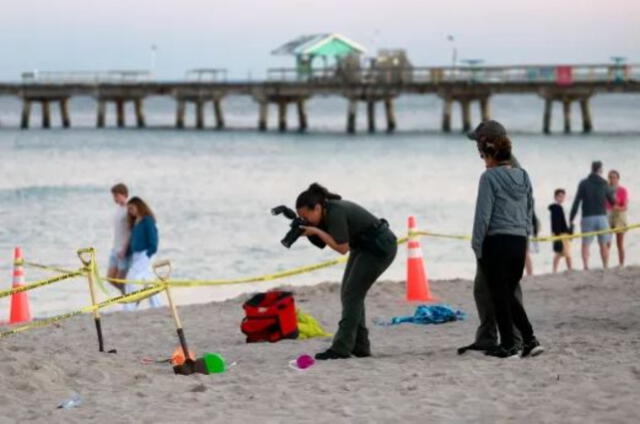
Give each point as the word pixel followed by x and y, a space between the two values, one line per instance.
pixel 295 231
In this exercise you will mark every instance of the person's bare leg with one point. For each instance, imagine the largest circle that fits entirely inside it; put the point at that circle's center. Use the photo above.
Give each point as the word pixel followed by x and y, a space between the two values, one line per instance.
pixel 528 264
pixel 585 256
pixel 121 275
pixel 620 245
pixel 113 273
pixel 569 264
pixel 604 255
pixel 556 260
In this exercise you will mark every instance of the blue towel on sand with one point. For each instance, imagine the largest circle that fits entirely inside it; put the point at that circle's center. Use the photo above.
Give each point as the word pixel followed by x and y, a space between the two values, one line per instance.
pixel 429 314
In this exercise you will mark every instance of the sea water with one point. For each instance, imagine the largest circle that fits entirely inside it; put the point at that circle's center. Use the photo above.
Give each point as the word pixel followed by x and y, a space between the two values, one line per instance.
pixel 212 190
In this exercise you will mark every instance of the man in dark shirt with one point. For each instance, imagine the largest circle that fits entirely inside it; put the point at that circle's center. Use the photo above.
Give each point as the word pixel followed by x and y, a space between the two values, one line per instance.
pixel 592 194
pixel 562 248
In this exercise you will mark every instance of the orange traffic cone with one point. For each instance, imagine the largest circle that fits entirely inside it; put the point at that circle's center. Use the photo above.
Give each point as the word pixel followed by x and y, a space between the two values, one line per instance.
pixel 19 301
pixel 417 281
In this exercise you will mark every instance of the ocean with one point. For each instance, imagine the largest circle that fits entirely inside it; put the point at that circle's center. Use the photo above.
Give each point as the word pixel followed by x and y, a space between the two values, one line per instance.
pixel 212 191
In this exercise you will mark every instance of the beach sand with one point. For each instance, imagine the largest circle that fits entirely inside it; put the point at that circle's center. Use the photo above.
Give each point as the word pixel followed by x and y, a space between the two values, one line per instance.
pixel 589 322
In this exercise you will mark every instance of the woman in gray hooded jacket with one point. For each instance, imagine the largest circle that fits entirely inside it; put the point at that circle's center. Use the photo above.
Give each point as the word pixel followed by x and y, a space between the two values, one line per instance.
pixel 503 221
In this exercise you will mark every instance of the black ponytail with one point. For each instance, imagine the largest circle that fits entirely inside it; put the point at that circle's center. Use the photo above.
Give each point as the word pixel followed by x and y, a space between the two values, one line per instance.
pixel 314 195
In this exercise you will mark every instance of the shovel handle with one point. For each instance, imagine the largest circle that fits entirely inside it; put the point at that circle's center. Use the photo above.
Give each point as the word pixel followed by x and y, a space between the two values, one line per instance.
pixel 162 269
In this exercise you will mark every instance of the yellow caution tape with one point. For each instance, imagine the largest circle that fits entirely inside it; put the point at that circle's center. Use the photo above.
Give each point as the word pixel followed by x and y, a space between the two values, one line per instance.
pixel 44 267
pixel 131 297
pixel 41 283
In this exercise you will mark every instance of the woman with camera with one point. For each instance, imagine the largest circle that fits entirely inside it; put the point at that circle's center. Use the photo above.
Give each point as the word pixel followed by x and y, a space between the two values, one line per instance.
pixel 503 221
pixel 347 227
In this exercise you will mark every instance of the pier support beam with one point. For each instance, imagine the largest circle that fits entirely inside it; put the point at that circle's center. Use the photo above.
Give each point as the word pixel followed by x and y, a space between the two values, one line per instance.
pixel 352 111
pixel 199 114
pixel 566 109
pixel 302 115
pixel 120 113
pixel 26 114
pixel 485 109
pixel 180 110
pixel 264 114
pixel 46 114
pixel 139 113
pixel 371 115
pixel 101 112
pixel 64 113
pixel 282 115
pixel 546 118
pixel 217 110
pixel 446 114
pixel 587 124
pixel 465 107
pixel 390 113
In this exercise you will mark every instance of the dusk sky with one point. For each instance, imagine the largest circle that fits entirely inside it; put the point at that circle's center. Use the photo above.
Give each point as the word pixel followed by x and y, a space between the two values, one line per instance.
pixel 239 35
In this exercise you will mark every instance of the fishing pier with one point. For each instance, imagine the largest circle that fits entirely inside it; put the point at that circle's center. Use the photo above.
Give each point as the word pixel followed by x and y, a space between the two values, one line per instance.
pixel 464 86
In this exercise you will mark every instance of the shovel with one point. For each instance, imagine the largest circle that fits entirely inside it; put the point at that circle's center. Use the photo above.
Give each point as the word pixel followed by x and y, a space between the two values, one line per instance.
pixel 162 269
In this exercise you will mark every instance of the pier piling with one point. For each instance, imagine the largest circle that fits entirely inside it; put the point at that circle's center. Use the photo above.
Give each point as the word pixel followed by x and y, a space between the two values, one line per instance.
pixel 587 124
pixel 120 120
pixel 546 118
pixel 351 116
pixel 446 114
pixel 282 115
pixel 371 115
pixel 566 110
pixel 26 114
pixel 140 122
pixel 180 110
pixel 264 114
pixel 217 110
pixel 46 114
pixel 485 109
pixel 390 113
pixel 199 114
pixel 64 113
pixel 302 115
pixel 465 107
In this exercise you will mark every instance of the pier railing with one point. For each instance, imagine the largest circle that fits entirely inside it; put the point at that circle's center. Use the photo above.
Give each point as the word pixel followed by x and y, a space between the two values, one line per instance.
pixel 86 77
pixel 561 74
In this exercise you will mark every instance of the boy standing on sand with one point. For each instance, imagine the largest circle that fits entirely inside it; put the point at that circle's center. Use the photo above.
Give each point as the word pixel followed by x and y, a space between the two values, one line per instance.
pixel 562 248
pixel 118 260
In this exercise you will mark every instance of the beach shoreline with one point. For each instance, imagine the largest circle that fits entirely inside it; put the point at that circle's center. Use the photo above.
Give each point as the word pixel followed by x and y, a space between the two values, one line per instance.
pixel 587 320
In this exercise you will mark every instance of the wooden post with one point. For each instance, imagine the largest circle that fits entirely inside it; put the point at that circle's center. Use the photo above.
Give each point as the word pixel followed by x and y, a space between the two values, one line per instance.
pixel 587 124
pixel 465 106
pixel 100 118
pixel 351 116
pixel 566 108
pixel 263 115
pixel 26 114
pixel 139 113
pixel 120 113
pixel 302 115
pixel 371 115
pixel 546 118
pixel 217 109
pixel 446 114
pixel 180 109
pixel 282 115
pixel 199 114
pixel 390 112
pixel 64 113
pixel 46 114
pixel 485 109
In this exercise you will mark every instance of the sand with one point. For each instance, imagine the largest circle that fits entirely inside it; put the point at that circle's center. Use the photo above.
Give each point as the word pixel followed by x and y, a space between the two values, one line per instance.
pixel 589 322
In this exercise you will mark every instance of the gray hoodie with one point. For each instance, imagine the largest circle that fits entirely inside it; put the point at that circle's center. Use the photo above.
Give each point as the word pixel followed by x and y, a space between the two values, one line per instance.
pixel 504 205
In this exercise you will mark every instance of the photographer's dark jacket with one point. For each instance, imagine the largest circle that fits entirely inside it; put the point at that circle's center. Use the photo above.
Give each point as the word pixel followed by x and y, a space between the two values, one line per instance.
pixel 348 222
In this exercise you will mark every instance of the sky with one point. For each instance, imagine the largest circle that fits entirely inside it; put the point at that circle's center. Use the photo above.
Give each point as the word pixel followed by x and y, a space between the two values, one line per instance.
pixel 239 35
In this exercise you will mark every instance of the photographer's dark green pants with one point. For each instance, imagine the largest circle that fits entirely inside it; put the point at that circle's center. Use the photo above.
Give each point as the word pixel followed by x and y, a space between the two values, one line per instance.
pixel 363 269
pixel 487 333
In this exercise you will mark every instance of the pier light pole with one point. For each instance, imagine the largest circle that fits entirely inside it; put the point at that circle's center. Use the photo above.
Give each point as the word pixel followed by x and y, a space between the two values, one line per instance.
pixel 152 59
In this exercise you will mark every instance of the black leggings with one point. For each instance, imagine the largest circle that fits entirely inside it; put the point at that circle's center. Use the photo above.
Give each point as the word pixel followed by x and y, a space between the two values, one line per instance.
pixel 502 261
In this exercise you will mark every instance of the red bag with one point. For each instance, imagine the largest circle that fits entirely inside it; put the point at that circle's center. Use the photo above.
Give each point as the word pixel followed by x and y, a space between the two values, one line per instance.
pixel 270 317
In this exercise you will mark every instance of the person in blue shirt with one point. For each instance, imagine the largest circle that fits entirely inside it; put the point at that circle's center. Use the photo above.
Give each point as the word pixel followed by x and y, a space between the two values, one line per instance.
pixel 143 245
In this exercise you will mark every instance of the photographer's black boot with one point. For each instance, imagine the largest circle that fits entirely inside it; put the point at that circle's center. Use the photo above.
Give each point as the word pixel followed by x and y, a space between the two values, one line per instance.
pixel 330 354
